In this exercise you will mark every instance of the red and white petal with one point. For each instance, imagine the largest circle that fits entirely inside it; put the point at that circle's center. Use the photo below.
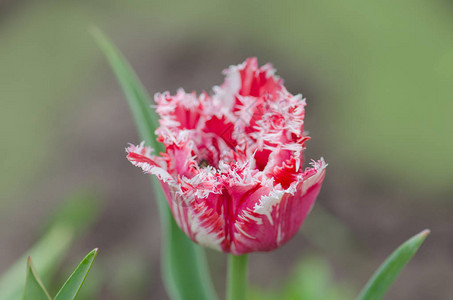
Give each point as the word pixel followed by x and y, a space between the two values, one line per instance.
pixel 278 216
pixel 200 219
pixel 231 170
pixel 141 157
pixel 182 110
pixel 256 81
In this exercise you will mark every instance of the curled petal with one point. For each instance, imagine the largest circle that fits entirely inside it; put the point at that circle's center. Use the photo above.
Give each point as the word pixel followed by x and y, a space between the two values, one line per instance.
pixel 279 215
pixel 140 156
pixel 232 170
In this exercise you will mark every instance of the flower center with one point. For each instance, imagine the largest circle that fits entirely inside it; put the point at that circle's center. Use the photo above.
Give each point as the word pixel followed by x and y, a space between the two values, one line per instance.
pixel 203 163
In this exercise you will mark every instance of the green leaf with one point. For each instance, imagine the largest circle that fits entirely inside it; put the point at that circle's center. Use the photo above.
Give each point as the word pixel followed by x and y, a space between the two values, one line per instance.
pixel 381 280
pixel 48 252
pixel 184 268
pixel 139 102
pixel 74 283
pixel 34 289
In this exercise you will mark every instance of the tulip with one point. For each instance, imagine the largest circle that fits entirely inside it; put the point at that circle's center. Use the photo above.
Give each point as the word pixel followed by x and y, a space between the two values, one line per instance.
pixel 232 170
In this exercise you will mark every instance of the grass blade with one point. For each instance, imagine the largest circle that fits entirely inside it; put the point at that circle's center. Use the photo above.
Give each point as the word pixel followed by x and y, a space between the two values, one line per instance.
pixel 34 289
pixel 381 280
pixel 184 266
pixel 72 286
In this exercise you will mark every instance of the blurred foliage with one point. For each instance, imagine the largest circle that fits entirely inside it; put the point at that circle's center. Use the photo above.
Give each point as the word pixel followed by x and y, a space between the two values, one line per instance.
pixel 383 70
pixel 79 211
pixel 50 250
pixel 43 57
pixel 312 278
pixel 134 278
pixel 47 253
pixel 329 234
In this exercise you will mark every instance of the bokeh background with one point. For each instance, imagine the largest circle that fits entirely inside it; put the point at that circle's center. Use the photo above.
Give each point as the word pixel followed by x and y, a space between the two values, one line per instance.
pixel 378 78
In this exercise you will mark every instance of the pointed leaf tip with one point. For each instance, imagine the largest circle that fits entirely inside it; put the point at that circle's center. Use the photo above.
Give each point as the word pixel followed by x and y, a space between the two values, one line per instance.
pixel 72 286
pixel 425 232
pixel 34 289
pixel 382 279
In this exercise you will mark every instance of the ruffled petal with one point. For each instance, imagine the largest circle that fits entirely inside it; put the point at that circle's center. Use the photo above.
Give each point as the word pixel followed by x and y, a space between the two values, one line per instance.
pixel 182 110
pixel 278 215
pixel 141 157
pixel 254 81
pixel 232 168
pixel 200 219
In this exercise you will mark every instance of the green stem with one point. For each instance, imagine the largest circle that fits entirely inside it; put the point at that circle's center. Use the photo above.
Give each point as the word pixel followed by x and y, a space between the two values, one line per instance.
pixel 236 277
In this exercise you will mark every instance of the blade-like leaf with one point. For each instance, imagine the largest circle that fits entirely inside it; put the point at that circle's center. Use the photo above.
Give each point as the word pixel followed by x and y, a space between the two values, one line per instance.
pixel 185 269
pixel 72 286
pixel 184 266
pixel 34 289
pixel 139 102
pixel 381 280
pixel 47 252
pixel 76 212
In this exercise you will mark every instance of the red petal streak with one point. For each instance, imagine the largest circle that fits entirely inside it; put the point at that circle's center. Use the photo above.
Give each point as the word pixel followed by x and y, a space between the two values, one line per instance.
pixel 286 174
pixel 262 158
pixel 287 216
pixel 139 158
pixel 257 81
pixel 222 128
pixel 231 170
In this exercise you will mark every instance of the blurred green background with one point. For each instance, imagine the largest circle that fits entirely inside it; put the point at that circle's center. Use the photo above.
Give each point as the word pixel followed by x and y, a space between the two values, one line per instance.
pixel 378 77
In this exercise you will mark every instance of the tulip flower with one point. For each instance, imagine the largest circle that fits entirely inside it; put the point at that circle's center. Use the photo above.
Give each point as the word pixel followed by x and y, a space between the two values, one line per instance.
pixel 232 173
pixel 232 170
